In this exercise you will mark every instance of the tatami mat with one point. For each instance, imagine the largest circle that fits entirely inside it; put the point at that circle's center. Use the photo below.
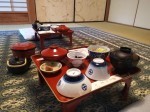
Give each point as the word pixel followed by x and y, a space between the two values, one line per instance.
pixel 130 32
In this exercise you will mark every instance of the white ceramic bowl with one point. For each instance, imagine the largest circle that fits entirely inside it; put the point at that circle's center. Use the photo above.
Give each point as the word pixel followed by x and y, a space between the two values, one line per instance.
pixel 98 51
pixel 73 84
pixel 76 58
pixel 97 70
pixel 50 66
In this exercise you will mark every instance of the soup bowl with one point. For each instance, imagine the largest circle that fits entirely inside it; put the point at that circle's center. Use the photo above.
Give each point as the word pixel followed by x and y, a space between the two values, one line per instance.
pixel 73 84
pixel 98 51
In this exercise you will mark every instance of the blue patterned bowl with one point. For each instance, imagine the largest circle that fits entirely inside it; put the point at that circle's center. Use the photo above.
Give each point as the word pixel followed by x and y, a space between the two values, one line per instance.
pixel 73 84
pixel 97 70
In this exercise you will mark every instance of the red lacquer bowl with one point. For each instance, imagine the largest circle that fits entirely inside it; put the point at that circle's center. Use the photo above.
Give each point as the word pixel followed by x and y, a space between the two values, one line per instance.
pixel 62 28
pixel 23 49
pixel 54 52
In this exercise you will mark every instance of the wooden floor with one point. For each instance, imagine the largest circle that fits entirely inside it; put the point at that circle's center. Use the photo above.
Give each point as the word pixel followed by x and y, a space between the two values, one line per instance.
pixel 130 32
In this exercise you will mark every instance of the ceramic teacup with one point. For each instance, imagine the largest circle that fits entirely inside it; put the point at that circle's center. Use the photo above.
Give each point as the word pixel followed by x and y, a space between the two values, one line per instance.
pixel 97 70
pixel 76 58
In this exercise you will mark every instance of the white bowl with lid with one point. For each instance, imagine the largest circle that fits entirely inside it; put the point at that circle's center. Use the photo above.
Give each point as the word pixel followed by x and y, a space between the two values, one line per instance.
pixel 73 84
pixel 97 70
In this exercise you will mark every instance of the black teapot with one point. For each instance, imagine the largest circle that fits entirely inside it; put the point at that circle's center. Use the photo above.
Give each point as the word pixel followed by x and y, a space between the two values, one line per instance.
pixel 36 25
pixel 18 65
pixel 124 59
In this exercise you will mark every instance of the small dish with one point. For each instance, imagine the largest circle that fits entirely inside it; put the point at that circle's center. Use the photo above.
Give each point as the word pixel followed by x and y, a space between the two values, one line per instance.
pixel 54 26
pixel 50 66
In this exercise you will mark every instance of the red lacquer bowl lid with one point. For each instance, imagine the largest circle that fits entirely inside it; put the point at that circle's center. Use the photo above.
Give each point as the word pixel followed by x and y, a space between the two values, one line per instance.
pixel 23 46
pixel 62 28
pixel 54 52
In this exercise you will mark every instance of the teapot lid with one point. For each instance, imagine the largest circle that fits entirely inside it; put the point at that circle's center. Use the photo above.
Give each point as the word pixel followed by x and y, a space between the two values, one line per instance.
pixel 122 53
pixel 54 51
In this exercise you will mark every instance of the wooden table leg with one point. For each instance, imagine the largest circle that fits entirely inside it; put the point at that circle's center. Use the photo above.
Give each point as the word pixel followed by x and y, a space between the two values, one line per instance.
pixel 72 106
pixel 42 42
pixel 70 37
pixel 41 80
pixel 36 36
pixel 126 88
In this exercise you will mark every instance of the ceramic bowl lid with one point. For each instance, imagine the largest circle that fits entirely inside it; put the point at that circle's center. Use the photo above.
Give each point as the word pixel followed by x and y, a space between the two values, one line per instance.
pixel 54 51
pixel 23 46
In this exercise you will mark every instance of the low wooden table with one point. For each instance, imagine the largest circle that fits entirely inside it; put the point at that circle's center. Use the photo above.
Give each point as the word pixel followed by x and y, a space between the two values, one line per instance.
pixel 72 103
pixel 47 34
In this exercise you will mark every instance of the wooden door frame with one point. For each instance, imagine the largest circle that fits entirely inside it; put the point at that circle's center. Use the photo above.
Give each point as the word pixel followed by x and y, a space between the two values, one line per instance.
pixel 32 10
pixel 107 8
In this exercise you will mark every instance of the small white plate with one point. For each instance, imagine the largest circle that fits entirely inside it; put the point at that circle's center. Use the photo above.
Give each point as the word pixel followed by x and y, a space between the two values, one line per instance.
pixel 50 66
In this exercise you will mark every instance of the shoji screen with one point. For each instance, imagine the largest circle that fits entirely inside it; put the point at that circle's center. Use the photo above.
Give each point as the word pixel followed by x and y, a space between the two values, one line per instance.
pixel 13 6
pixel 143 14
pixel 17 11
pixel 123 11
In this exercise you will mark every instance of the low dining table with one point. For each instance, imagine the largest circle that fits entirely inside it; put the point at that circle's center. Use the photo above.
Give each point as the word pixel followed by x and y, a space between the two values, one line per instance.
pixel 42 35
pixel 72 103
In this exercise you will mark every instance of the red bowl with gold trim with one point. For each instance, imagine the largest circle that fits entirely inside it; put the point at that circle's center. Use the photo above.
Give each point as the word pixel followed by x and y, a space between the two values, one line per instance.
pixel 54 52
pixel 23 49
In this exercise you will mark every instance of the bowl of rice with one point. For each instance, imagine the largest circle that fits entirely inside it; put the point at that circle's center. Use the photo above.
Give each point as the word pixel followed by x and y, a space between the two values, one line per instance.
pixel 98 51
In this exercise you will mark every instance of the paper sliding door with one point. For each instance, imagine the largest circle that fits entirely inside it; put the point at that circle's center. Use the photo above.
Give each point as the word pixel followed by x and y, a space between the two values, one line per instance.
pixel 123 11
pixel 143 15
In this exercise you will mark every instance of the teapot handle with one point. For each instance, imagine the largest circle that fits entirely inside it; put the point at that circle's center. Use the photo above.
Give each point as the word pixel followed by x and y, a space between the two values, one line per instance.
pixel 125 49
